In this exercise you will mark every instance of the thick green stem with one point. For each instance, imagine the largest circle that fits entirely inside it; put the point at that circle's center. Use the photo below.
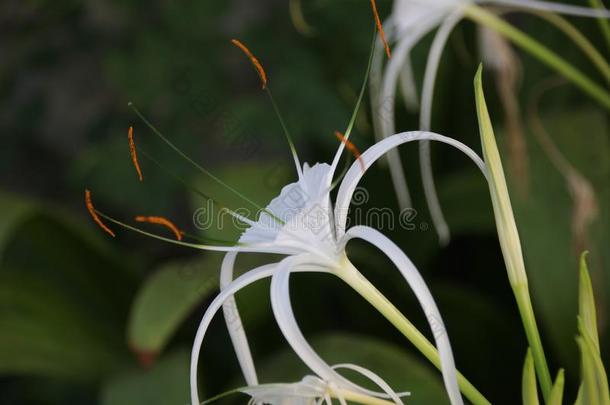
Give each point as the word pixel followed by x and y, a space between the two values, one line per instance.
pixel 539 51
pixel 524 303
pixel 369 292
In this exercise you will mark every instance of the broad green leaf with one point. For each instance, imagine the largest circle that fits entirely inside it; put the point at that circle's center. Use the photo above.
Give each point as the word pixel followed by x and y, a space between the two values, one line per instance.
pixel 166 299
pixel 45 333
pixel 401 370
pixel 586 303
pixel 594 388
pixel 62 297
pixel 556 397
pixel 528 383
pixel 167 383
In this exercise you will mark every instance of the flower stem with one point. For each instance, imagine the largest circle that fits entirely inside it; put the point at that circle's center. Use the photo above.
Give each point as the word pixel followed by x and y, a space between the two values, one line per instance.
pixel 526 311
pixel 369 292
pixel 540 51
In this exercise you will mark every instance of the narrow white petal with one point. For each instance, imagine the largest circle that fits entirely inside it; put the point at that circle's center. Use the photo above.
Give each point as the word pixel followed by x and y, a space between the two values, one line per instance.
pixel 370 156
pixel 284 316
pixel 425 160
pixel 234 324
pixel 554 7
pixel 421 291
pixel 239 283
pixel 385 115
pixel 408 88
pixel 380 382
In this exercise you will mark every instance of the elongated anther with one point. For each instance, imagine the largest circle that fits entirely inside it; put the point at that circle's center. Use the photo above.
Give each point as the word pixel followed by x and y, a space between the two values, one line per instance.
pixel 161 221
pixel 94 215
pixel 255 62
pixel 349 145
pixel 134 153
pixel 380 29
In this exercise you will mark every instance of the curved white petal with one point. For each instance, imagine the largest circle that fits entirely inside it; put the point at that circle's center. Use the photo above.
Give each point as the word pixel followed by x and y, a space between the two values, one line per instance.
pixel 380 382
pixel 425 161
pixel 284 316
pixel 234 324
pixel 554 7
pixel 239 283
pixel 355 173
pixel 421 291
pixel 408 88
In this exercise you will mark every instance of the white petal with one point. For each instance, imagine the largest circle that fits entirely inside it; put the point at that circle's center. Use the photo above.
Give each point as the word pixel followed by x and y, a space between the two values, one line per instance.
pixel 284 315
pixel 421 291
pixel 554 7
pixel 408 88
pixel 434 58
pixel 234 324
pixel 380 382
pixel 241 282
pixel 353 176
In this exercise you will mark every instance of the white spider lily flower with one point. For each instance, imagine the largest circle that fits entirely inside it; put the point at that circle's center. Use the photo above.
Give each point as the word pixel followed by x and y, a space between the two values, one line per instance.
pixel 314 233
pixel 409 22
pixel 303 225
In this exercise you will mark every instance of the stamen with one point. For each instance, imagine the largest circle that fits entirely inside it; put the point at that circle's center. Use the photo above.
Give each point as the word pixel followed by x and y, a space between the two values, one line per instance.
pixel 255 62
pixel 134 154
pixel 161 221
pixel 349 145
pixel 380 29
pixel 94 215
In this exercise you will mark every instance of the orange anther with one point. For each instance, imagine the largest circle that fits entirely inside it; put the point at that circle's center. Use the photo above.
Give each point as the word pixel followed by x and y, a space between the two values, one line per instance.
pixel 134 154
pixel 94 215
pixel 380 29
pixel 255 62
pixel 161 221
pixel 350 147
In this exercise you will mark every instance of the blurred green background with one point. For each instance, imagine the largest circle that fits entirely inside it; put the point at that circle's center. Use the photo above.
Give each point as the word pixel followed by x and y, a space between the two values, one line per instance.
pixel 85 319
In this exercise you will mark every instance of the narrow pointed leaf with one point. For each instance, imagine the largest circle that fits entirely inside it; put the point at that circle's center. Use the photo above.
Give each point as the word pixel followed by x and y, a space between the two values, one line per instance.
pixel 556 396
pixel 586 304
pixel 528 383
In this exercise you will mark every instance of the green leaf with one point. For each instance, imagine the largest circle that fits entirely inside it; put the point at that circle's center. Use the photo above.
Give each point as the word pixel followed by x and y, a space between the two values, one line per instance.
pixel 503 211
pixel 166 299
pixel 166 383
pixel 594 388
pixel 586 303
pixel 401 370
pixel 556 397
pixel 509 236
pixel 528 384
pixel 62 297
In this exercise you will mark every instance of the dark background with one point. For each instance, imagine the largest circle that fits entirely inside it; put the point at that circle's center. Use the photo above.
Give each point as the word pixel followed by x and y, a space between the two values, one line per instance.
pixel 70 296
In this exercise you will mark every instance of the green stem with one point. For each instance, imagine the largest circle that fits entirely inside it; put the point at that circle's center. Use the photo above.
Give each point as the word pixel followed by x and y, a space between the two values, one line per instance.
pixel 604 25
pixel 579 39
pixel 526 311
pixel 538 50
pixel 369 292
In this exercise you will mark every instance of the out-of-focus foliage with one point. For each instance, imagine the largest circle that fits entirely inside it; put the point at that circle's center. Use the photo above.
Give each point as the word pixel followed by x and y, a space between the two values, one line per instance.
pixel 80 313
